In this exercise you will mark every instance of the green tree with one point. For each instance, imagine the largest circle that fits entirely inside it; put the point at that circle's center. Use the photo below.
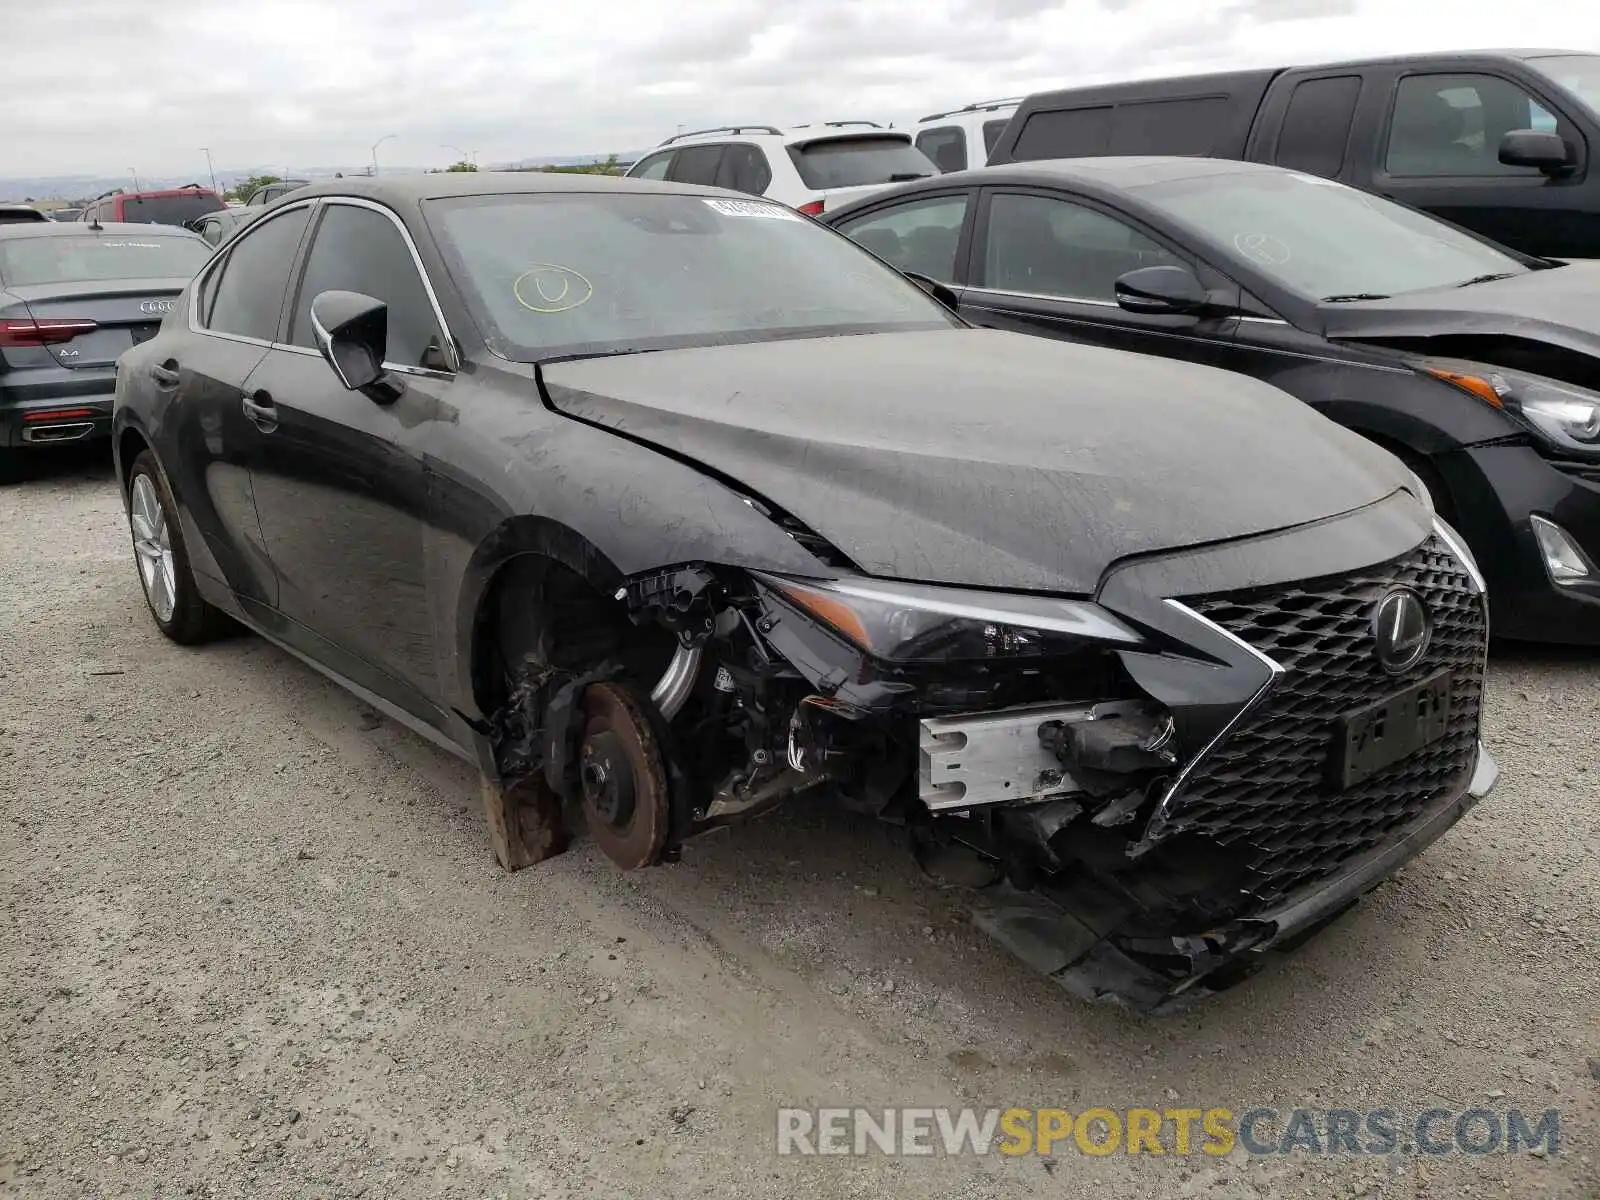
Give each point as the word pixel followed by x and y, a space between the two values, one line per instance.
pixel 245 188
pixel 610 167
pixel 463 165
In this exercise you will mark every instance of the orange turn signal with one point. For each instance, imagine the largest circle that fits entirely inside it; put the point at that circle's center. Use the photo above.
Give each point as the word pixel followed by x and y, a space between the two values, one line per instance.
pixel 1477 385
pixel 828 609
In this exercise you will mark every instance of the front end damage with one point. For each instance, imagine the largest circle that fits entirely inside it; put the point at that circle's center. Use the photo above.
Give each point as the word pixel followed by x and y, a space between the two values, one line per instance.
pixel 1145 791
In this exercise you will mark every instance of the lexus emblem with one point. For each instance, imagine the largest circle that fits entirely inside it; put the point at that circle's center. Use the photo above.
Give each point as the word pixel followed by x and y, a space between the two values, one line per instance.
pixel 158 306
pixel 1401 630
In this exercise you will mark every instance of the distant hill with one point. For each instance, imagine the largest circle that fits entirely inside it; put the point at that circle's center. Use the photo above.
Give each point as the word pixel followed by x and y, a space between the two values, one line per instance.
pixel 18 188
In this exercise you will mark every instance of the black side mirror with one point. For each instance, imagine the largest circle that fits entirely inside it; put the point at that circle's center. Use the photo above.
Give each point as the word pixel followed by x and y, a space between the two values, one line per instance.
pixel 937 290
pixel 1538 148
pixel 351 331
pixel 1161 291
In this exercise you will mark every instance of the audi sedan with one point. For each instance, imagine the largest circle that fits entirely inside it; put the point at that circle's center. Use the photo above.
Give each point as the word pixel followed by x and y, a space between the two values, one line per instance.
pixel 73 298
pixel 662 505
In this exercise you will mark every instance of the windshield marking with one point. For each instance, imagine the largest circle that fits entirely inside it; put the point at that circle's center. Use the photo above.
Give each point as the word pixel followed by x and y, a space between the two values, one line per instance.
pixel 553 278
pixel 1262 247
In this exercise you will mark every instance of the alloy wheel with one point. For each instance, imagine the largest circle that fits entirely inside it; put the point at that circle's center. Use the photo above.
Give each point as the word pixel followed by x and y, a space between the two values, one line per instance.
pixel 152 548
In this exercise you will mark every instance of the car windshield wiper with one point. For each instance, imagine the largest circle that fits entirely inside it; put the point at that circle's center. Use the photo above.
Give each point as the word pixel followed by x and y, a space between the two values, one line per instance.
pixel 1490 278
pixel 1353 296
pixel 907 176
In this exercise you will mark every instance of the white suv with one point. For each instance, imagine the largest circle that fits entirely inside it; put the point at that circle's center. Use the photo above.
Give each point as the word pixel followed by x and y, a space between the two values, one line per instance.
pixel 813 168
pixel 963 137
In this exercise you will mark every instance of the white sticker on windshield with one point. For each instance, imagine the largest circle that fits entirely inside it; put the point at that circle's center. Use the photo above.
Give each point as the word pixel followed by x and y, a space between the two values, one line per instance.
pixel 752 208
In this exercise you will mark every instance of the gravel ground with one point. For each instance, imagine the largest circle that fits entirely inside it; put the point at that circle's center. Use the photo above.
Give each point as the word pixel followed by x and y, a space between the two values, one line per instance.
pixel 255 944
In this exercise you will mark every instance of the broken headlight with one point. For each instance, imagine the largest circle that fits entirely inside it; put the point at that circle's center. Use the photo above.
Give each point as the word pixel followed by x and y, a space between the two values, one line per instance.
pixel 906 622
pixel 1564 414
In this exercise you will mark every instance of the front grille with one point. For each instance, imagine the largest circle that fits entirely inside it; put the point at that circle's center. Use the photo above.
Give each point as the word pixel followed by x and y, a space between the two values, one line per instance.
pixel 1264 792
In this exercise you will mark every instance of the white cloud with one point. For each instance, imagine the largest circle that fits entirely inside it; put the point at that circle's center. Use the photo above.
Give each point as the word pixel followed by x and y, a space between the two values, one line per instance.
pixel 113 85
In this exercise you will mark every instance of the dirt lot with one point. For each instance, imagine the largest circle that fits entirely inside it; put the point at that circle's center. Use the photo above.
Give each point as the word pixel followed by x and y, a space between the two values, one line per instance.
pixel 255 945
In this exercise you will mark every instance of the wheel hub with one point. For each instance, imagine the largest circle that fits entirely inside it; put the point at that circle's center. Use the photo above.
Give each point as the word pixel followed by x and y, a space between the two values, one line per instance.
pixel 607 778
pixel 624 784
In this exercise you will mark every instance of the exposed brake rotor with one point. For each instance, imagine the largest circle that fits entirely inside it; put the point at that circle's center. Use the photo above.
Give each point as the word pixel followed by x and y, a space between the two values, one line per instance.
pixel 625 793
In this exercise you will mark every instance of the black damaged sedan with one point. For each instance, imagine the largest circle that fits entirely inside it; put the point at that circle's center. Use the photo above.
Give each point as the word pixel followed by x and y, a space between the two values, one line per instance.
pixel 664 506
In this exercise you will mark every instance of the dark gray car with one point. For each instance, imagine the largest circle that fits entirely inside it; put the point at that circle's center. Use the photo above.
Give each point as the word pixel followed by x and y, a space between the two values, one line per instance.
pixel 662 505
pixel 72 299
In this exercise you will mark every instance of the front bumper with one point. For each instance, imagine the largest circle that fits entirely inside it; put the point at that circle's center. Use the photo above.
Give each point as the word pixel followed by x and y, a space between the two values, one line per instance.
pixel 1097 967
pixel 1499 489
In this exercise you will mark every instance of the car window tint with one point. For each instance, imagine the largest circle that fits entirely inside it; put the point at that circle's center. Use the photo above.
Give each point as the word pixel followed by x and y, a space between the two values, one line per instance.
pixel 946 146
pixel 247 294
pixel 697 164
pixel 1053 247
pixel 1065 133
pixel 991 134
pixel 1186 126
pixel 1316 125
pixel 744 169
pixel 1452 125
pixel 655 166
pixel 920 236
pixel 857 160
pixel 360 250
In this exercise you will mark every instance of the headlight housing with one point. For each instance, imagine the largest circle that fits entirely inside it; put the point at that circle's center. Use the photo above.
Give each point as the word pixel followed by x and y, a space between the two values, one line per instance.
pixel 1565 415
pixel 907 622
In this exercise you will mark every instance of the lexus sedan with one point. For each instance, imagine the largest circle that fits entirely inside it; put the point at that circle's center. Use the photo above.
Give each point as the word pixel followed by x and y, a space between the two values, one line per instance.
pixel 1475 364
pixel 72 298
pixel 663 505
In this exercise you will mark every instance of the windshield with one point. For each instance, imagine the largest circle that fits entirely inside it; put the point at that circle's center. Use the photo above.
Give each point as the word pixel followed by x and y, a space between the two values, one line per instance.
pixel 169 210
pixel 1324 240
pixel 574 273
pixel 859 161
pixel 1578 73
pixel 73 258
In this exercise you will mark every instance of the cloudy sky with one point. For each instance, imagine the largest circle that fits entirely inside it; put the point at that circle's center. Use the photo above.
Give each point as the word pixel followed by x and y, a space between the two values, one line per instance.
pixel 113 84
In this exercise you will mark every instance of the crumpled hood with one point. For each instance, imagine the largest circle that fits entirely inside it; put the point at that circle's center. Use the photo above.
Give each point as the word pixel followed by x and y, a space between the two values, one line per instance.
pixel 986 458
pixel 1560 306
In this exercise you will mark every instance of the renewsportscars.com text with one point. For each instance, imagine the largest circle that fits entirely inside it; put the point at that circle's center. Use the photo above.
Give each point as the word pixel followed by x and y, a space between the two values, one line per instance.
pixel 1168 1131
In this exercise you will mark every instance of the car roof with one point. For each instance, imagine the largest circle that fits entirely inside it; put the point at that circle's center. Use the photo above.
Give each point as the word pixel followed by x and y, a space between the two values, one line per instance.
pixel 401 190
pixel 975 109
pixel 187 190
pixel 1108 174
pixel 819 131
pixel 82 228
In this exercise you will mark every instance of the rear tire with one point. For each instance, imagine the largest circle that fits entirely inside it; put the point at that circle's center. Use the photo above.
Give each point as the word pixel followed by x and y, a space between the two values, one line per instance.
pixel 162 559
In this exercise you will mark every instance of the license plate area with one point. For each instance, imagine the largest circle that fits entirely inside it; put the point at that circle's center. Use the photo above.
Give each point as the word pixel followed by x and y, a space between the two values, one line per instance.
pixel 1371 739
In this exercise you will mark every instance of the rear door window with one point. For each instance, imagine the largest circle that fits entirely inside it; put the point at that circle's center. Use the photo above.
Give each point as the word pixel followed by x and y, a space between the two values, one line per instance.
pixel 920 235
pixel 1452 125
pixel 1065 133
pixel 169 210
pixel 744 169
pixel 655 166
pixel 358 249
pixel 697 164
pixel 1316 125
pixel 946 146
pixel 859 161
pixel 244 296
pixel 991 134
pixel 1187 126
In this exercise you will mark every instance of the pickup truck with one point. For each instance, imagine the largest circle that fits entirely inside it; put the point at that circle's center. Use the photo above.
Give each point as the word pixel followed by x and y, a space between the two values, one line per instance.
pixel 1498 142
